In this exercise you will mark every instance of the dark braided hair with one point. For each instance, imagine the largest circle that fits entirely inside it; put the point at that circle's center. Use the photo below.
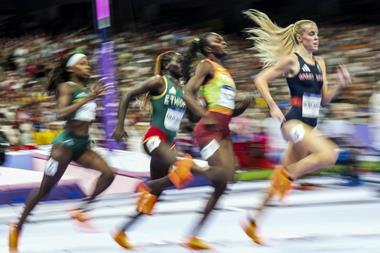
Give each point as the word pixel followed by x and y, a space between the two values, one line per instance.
pixel 196 46
pixel 58 75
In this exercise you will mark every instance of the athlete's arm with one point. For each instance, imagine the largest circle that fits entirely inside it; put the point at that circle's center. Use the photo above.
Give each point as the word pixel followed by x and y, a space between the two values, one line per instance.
pixel 284 65
pixel 203 70
pixel 152 85
pixel 328 94
pixel 64 100
pixel 192 117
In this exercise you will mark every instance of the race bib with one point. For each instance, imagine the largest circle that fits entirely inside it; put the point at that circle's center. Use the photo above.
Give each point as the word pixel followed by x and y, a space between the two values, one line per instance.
pixel 310 105
pixel 173 119
pixel 227 97
pixel 86 112
pixel 210 149
pixel 51 167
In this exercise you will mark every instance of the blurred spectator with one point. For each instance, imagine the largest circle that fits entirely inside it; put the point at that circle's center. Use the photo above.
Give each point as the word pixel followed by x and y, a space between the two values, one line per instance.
pixel 12 133
pixel 341 130
pixel 375 116
pixel 4 143
pixel 26 133
pixel 276 141
pixel 25 62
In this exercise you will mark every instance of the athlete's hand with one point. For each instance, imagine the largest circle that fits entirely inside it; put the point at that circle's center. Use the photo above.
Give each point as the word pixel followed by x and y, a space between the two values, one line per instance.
pixel 119 134
pixel 276 113
pixel 343 76
pixel 97 90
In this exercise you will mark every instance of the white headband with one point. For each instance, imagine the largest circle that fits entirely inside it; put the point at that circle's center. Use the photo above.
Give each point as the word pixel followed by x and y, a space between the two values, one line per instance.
pixel 74 59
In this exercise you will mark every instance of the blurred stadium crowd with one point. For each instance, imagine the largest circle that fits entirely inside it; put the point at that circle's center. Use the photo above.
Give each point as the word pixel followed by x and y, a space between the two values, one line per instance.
pixel 25 62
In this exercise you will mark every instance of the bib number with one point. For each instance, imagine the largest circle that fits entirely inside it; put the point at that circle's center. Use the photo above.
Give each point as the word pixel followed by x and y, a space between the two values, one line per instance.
pixel 227 97
pixel 173 119
pixel 86 112
pixel 310 105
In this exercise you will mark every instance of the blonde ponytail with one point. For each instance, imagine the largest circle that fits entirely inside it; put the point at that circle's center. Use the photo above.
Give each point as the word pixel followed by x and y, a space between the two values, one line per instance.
pixel 271 41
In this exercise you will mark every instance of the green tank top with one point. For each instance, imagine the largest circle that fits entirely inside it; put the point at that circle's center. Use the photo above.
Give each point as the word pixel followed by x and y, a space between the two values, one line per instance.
pixel 168 109
pixel 220 91
pixel 86 112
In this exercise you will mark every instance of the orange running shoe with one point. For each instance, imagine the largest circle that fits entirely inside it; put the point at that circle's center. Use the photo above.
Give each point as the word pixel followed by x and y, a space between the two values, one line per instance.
pixel 146 200
pixel 82 219
pixel 281 182
pixel 250 228
pixel 120 237
pixel 14 234
pixel 180 172
pixel 195 243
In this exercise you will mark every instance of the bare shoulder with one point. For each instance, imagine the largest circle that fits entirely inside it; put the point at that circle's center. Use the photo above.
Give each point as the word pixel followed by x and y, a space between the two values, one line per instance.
pixel 153 82
pixel 286 64
pixel 287 60
pixel 291 58
pixel 204 66
pixel 65 87
pixel 66 84
pixel 290 65
pixel 156 79
pixel 155 85
pixel 320 60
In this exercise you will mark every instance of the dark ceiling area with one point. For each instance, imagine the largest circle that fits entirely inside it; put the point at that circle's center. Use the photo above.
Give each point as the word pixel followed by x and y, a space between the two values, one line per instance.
pixel 54 16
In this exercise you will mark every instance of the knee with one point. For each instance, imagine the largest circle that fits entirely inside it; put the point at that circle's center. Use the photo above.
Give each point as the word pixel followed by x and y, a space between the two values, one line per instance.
pixel 330 157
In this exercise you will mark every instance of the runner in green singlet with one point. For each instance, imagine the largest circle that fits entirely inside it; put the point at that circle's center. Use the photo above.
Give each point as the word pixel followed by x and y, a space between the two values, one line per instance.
pixel 76 105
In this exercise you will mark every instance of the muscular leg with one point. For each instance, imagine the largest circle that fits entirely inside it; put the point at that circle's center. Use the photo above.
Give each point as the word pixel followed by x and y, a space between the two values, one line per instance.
pixel 162 158
pixel 314 151
pixel 307 152
pixel 292 154
pixel 158 169
pixel 220 172
pixel 60 154
pixel 92 160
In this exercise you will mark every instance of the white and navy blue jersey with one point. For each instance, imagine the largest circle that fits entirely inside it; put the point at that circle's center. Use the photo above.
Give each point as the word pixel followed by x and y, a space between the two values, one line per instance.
pixel 306 93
